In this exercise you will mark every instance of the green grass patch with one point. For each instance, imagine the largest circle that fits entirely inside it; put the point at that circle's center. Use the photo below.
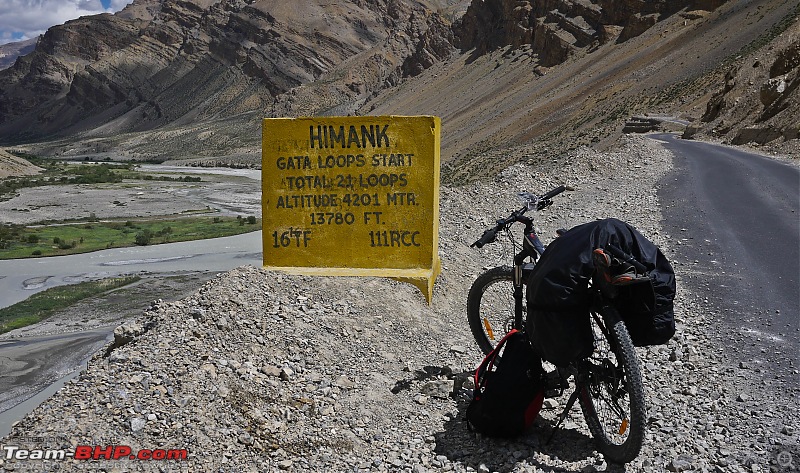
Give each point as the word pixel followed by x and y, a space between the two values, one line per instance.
pixel 43 304
pixel 18 241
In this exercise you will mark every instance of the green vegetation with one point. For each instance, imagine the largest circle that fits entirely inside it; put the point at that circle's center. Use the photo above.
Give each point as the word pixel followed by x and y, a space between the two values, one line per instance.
pixel 62 173
pixel 43 304
pixel 17 241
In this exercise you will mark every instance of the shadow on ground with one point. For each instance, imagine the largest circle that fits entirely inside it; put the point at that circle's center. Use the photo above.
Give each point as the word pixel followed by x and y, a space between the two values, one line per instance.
pixel 569 451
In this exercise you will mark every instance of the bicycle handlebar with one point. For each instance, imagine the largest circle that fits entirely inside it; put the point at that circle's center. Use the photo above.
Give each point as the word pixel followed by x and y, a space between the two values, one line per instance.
pixel 490 235
pixel 553 193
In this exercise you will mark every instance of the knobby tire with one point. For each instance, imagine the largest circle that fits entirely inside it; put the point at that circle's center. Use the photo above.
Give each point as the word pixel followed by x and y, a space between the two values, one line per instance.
pixel 492 297
pixel 602 423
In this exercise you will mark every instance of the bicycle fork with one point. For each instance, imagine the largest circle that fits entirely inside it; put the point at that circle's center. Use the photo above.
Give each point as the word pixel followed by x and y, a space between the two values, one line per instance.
pixel 519 261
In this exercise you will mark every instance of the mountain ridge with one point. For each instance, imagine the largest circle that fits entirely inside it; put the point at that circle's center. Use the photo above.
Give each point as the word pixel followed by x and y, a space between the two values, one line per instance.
pixel 545 77
pixel 9 52
pixel 172 62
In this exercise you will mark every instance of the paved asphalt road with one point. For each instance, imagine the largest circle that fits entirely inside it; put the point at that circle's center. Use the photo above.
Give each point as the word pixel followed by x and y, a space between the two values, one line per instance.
pixel 736 216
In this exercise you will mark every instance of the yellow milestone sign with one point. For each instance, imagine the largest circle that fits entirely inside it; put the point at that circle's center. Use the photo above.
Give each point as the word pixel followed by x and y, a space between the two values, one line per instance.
pixel 352 196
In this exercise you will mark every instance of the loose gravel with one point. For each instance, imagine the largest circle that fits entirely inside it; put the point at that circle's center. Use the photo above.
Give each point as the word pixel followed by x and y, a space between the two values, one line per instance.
pixel 260 371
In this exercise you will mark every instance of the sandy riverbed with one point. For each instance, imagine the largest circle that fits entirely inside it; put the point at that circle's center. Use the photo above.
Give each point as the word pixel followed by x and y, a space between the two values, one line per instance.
pixel 217 192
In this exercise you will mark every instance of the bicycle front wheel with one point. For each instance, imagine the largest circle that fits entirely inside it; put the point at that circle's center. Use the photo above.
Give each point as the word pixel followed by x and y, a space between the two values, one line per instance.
pixel 490 307
pixel 611 393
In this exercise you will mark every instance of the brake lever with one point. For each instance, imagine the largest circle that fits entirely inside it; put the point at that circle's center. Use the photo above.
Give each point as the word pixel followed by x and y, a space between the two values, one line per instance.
pixel 543 204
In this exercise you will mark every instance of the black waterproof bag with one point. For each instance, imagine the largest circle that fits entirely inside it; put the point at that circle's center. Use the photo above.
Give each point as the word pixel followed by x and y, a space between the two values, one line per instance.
pixel 559 298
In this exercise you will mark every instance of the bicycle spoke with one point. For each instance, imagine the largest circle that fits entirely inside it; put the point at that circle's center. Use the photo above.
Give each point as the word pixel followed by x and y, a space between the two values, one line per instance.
pixel 607 387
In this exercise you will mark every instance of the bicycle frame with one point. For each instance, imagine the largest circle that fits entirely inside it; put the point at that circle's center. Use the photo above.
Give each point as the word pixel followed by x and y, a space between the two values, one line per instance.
pixel 532 248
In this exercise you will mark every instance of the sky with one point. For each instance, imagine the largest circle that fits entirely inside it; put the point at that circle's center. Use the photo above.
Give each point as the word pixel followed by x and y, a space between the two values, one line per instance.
pixel 25 19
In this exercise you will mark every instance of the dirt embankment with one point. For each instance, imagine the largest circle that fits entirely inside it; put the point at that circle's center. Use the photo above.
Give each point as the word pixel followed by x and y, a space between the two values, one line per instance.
pixel 13 166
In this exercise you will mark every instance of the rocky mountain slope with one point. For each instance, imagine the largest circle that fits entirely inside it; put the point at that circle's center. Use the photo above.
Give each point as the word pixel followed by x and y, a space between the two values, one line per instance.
pixel 508 96
pixel 9 52
pixel 760 100
pixel 191 79
pixel 177 62
pixel 560 29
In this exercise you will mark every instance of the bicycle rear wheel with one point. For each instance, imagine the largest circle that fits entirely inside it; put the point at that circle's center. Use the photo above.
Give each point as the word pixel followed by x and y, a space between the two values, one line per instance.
pixel 490 307
pixel 611 391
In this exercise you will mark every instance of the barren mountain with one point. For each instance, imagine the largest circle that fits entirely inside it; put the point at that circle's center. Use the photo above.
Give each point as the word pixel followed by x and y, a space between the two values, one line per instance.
pixel 190 80
pixel 176 62
pixel 512 95
pixel 9 52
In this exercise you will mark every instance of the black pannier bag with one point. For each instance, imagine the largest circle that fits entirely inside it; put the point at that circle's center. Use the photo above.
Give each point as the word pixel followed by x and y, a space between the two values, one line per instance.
pixel 509 389
pixel 558 297
pixel 647 309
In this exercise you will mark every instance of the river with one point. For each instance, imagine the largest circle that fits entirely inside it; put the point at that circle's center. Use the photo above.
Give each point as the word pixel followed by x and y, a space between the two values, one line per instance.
pixel 23 277
pixel 33 367
pixel 228 191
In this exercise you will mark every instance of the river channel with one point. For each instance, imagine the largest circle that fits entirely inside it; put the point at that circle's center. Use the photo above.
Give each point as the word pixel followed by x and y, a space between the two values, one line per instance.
pixel 32 367
pixel 223 191
pixel 23 277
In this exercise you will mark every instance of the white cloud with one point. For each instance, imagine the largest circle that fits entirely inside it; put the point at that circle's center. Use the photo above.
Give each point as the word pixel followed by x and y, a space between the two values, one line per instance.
pixel 30 18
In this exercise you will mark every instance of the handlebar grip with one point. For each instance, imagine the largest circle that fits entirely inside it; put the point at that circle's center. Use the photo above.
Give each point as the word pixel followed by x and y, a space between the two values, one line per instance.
pixel 488 236
pixel 627 258
pixel 553 193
